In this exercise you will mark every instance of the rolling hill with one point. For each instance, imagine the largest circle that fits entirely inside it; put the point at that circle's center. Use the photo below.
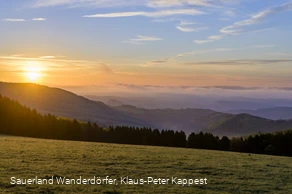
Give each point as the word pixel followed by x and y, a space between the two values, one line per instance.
pixel 189 120
pixel 63 103
pixel 245 124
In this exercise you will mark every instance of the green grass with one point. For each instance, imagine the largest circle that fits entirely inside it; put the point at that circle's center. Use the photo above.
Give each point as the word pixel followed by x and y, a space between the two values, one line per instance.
pixel 226 172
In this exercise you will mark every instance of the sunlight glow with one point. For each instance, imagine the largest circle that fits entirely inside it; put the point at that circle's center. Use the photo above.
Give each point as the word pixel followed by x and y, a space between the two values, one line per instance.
pixel 33 71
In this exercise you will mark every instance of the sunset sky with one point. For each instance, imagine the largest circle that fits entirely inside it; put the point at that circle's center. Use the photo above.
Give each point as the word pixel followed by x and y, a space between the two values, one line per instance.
pixel 149 43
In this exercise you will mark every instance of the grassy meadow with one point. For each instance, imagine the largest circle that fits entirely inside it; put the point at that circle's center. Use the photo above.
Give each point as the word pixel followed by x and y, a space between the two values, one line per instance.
pixel 226 172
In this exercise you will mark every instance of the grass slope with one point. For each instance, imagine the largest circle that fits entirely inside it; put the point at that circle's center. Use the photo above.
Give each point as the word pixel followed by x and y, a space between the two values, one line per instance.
pixel 226 172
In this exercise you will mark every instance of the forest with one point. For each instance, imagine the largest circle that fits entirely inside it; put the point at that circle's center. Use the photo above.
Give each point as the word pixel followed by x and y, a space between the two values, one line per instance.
pixel 19 120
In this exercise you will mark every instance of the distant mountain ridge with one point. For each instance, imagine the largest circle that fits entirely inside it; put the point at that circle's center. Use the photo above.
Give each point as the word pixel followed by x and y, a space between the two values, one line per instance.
pixel 186 101
pixel 275 113
pixel 67 104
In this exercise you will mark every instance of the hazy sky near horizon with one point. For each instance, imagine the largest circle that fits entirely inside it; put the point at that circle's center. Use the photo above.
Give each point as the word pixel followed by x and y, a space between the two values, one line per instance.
pixel 147 43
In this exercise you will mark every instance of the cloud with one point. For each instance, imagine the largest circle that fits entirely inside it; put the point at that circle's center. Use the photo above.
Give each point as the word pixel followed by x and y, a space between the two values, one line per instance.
pixel 230 13
pixel 50 3
pixel 241 62
pixel 184 87
pixel 239 27
pixel 105 68
pixel 175 3
pixel 142 39
pixel 146 38
pixel 264 46
pixel 47 57
pixel 186 23
pixel 283 88
pixel 165 20
pixel 256 18
pixel 156 62
pixel 187 29
pixel 210 39
pixel 182 3
pixel 221 36
pixel 281 54
pixel 14 20
pixel 22 20
pixel 206 51
pixel 201 52
pixel 231 87
pixel 186 26
pixel 39 19
pixel 85 3
pixel 126 3
pixel 53 63
pixel 160 13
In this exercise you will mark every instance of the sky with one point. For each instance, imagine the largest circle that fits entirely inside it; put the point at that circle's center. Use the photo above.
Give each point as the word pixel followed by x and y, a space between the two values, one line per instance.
pixel 144 44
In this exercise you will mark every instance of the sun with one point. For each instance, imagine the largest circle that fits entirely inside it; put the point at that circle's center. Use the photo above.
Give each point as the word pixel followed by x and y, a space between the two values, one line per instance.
pixel 33 71
pixel 32 76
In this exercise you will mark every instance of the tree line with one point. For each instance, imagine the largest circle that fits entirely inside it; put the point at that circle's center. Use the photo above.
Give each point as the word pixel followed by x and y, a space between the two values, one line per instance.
pixel 19 120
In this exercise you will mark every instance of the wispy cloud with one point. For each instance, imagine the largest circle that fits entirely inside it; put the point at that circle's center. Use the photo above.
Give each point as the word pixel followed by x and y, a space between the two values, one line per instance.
pixel 165 20
pixel 186 23
pixel 216 50
pixel 123 3
pixel 255 19
pixel 85 3
pixel 142 39
pixel 189 87
pixel 54 63
pixel 264 46
pixel 47 57
pixel 280 54
pixel 230 13
pixel 39 19
pixel 105 68
pixel 175 3
pixel 181 3
pixel 210 39
pixel 50 3
pixel 155 62
pixel 22 20
pixel 14 20
pixel 174 58
pixel 239 27
pixel 160 13
pixel 241 62
pixel 199 52
pixel 214 38
pixel 189 29
pixel 186 26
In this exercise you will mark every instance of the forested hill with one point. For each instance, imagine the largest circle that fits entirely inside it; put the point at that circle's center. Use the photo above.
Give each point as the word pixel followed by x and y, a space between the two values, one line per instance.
pixel 188 120
pixel 66 104
pixel 246 124
pixel 21 121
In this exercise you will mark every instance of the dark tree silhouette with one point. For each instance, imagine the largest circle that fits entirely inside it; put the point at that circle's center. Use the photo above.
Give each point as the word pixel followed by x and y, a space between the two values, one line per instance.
pixel 19 120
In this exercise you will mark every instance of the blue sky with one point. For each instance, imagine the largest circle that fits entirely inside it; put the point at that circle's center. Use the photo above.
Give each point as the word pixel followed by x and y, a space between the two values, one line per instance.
pixel 148 42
